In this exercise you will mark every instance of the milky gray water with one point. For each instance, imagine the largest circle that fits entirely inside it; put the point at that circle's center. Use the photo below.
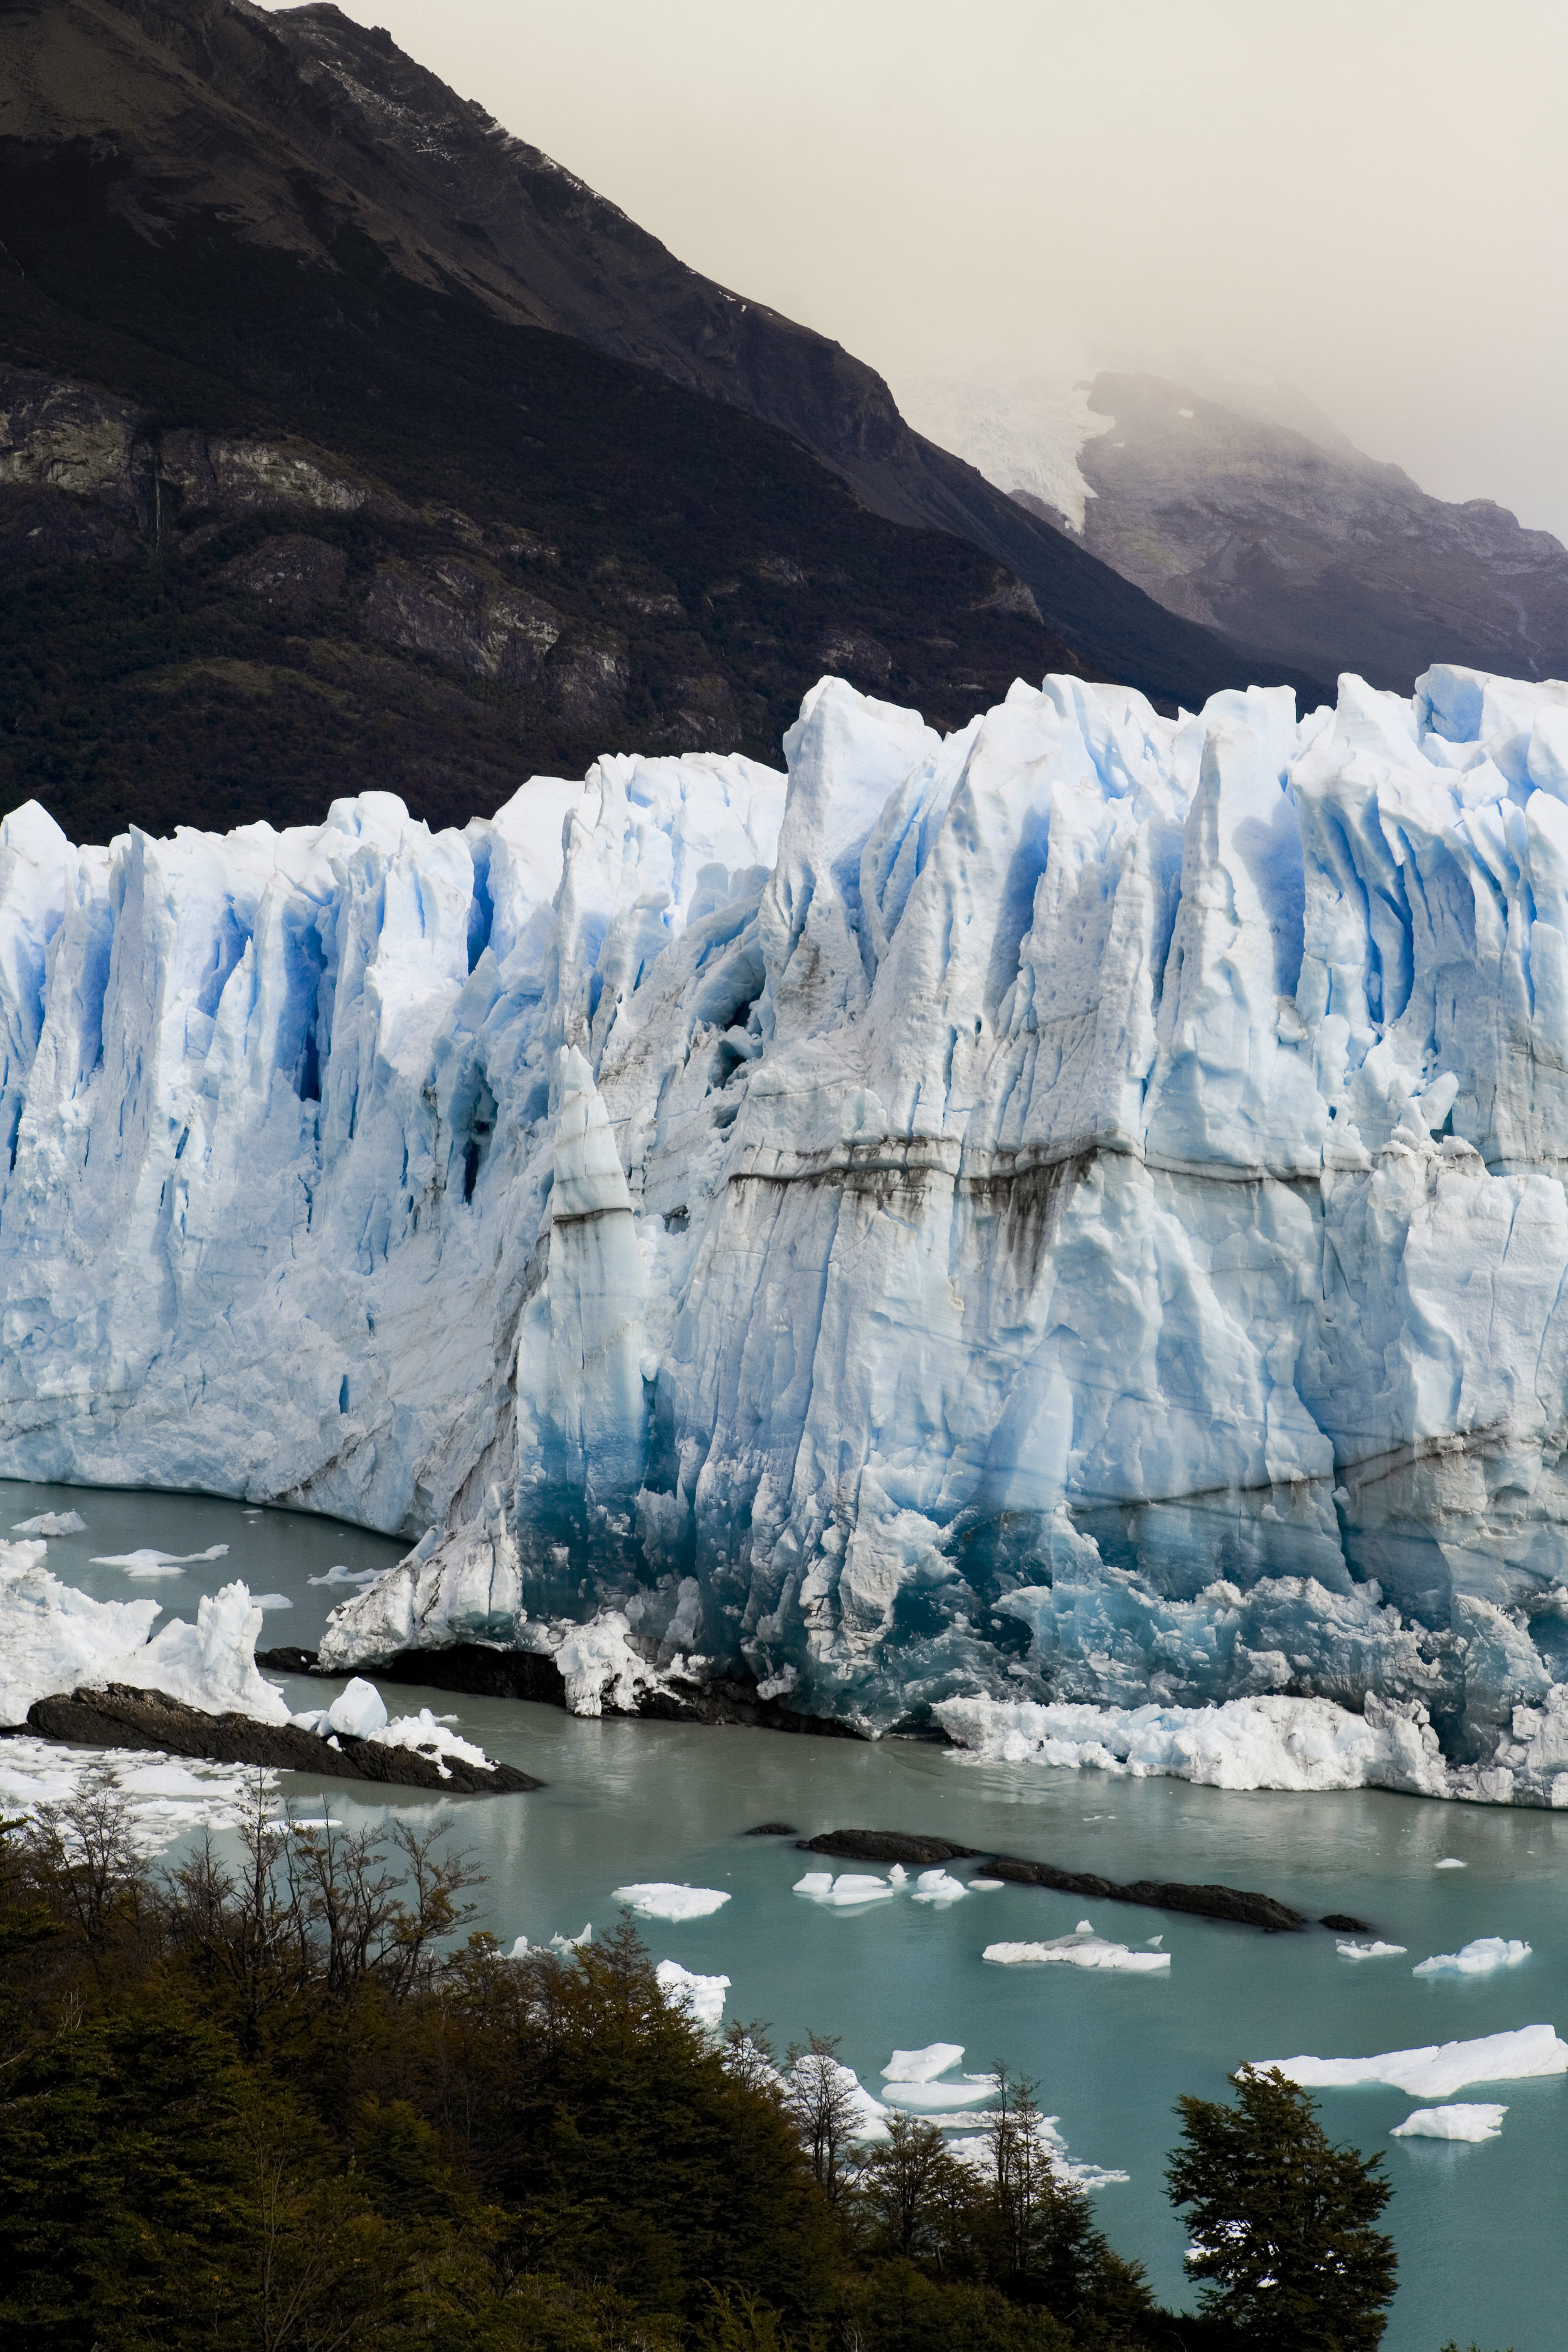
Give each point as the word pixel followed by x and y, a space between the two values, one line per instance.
pixel 1482 2250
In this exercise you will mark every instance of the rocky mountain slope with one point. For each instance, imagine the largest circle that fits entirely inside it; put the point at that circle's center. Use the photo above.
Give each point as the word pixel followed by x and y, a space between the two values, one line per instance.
pixel 347 438
pixel 1281 534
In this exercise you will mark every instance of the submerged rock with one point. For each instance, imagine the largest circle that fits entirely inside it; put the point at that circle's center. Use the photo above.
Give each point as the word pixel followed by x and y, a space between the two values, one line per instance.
pixel 119 1717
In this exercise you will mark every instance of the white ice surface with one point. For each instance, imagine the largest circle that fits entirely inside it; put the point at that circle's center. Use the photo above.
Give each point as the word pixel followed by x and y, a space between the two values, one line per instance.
pixel 1476 1959
pixel 923 2066
pixel 702 1998
pixel 1078 1951
pixel 148 1561
pixel 850 1886
pixel 168 1796
pixel 51 1523
pixel 524 1191
pixel 923 2097
pixel 1437 2070
pixel 1450 1861
pixel 657 1899
pixel 1372 1952
pixel 358 1709
pixel 937 1886
pixel 1481 2121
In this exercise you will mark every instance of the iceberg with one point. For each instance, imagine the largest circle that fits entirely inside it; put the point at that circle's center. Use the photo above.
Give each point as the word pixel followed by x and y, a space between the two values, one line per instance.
pixel 1372 1952
pixel 1479 2121
pixel 1438 2069
pixel 1057 1229
pixel 1478 1959
pixel 850 1886
pixel 51 1523
pixel 923 2066
pixel 658 1900
pixel 1078 1950
pixel 702 1998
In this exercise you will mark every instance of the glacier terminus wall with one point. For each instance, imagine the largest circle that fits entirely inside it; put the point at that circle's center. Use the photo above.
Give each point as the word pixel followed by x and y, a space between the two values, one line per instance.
pixel 1062 1224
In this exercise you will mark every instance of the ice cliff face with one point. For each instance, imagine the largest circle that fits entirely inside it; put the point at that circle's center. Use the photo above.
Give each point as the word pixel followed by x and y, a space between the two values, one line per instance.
pixel 1069 1213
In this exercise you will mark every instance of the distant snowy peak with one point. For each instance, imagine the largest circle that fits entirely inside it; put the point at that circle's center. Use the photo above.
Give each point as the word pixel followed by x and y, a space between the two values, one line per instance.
pixel 1024 433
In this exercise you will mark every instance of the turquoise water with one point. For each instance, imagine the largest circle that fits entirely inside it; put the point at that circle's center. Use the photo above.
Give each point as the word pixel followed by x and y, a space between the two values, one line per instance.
pixel 1478 2228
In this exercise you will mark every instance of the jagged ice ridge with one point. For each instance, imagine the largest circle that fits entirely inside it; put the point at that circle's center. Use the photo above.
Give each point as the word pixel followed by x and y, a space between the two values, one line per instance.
pixel 1065 1216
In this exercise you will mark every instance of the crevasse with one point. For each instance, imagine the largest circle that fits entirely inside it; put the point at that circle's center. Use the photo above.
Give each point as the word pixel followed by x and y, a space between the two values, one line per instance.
pixel 1066 1217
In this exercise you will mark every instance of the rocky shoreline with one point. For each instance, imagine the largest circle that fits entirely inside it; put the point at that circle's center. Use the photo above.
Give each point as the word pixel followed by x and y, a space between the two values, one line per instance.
pixel 118 1715
pixel 480 1672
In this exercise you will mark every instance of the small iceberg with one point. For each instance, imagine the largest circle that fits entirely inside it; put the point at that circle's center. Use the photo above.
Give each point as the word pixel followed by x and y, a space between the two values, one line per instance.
pixel 657 1899
pixel 923 2066
pixel 1450 1861
pixel 849 1886
pixel 339 1574
pixel 1478 1959
pixel 985 1885
pixel 1472 2123
pixel 939 1886
pixel 1439 2069
pixel 1078 1951
pixel 934 2098
pixel 51 1523
pixel 270 1600
pixel 702 1998
pixel 148 1562
pixel 1374 1952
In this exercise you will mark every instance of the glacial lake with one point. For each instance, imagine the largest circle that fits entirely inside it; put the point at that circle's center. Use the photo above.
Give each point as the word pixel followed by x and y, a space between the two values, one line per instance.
pixel 1483 2254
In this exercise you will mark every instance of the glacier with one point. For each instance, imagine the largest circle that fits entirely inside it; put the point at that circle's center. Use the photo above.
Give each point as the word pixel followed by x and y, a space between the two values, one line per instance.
pixel 1057 1229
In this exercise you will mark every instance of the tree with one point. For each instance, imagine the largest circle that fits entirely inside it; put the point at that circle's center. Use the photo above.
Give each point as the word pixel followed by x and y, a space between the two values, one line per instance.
pixel 909 2191
pixel 1281 2221
pixel 820 2096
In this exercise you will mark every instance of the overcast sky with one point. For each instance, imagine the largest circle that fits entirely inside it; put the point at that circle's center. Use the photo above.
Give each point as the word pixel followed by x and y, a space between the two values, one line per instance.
pixel 1366 198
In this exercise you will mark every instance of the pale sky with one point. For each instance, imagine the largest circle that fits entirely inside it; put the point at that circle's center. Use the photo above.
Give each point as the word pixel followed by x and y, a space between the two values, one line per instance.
pixel 1366 198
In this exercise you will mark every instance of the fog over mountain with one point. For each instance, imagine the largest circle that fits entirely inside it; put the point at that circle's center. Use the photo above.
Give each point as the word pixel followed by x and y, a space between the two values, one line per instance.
pixel 1250 512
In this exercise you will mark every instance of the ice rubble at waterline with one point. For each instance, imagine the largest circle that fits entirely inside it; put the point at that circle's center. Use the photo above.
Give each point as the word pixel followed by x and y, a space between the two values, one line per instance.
pixel 1068 1215
pixel 54 1638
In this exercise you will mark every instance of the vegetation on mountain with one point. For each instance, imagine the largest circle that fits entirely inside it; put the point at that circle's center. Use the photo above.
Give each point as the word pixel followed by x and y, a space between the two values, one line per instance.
pixel 289 2095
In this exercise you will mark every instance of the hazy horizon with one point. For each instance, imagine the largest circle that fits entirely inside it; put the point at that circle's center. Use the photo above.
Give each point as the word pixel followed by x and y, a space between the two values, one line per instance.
pixel 1364 210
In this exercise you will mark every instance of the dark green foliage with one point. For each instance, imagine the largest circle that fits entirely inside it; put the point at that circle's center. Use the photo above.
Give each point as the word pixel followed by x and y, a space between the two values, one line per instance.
pixel 274 2107
pixel 1283 2220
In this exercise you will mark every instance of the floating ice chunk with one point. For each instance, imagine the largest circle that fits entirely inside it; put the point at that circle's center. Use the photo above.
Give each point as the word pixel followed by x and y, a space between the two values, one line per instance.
pixel 148 1562
pixel 702 1998
pixel 566 1945
pixel 925 2097
pixel 937 1886
pixel 1155 1942
pixel 1372 1952
pixel 52 1523
pixel 899 1876
pixel 339 1574
pixel 358 1711
pixel 430 1735
pixel 985 1885
pixel 1084 1927
pixel 1450 1861
pixel 849 1886
pixel 923 2066
pixel 1479 2121
pixel 169 1797
pixel 657 1899
pixel 271 1601
pixel 519 1950
pixel 1078 1951
pixel 1439 2069
pixel 1475 1958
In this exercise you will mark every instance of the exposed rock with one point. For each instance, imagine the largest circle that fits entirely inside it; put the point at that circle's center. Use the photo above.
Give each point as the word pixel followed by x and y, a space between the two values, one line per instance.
pixel 39 526
pixel 888 1845
pixel 856 654
pixel 771 1829
pixel 298 573
pixel 1343 1925
pixel 119 1717
pixel 1232 1903
pixel 591 686
pixel 471 623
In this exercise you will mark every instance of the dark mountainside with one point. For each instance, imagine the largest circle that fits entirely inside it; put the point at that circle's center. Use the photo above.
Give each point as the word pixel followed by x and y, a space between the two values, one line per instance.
pixel 346 442
pixel 1320 556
